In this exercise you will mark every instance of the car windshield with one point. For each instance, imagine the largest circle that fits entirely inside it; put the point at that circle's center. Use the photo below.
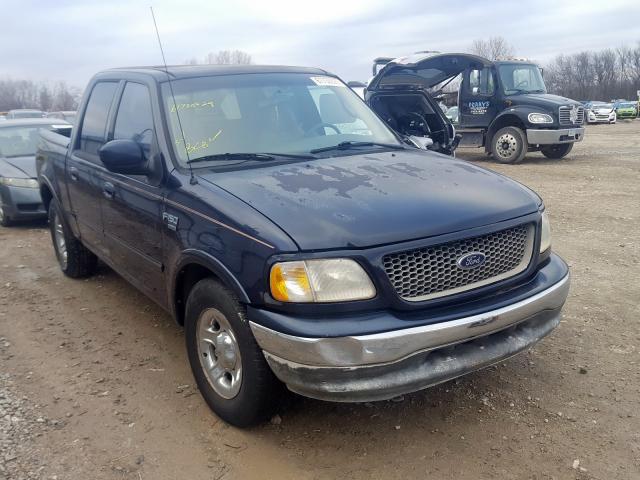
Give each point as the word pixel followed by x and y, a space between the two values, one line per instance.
pixel 604 106
pixel 518 78
pixel 276 114
pixel 19 141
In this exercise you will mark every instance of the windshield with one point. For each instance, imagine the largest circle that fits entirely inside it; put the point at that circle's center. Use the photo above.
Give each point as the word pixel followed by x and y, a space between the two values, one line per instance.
pixel 518 78
pixel 284 113
pixel 19 141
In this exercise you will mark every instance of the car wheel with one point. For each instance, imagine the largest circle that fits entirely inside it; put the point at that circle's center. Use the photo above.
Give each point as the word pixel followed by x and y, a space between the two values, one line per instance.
pixel 557 151
pixel 5 220
pixel 509 145
pixel 75 260
pixel 227 363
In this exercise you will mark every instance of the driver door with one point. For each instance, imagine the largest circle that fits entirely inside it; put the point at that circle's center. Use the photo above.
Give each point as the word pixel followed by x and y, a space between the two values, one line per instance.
pixel 477 104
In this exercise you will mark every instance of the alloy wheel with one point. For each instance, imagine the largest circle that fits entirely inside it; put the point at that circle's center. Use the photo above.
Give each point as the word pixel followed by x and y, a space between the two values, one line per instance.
pixel 219 353
pixel 61 244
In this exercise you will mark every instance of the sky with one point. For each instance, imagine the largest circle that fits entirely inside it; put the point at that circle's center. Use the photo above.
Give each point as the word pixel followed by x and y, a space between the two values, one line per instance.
pixel 69 41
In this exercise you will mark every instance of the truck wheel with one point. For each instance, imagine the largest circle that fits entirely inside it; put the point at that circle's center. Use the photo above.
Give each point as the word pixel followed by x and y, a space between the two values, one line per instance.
pixel 75 260
pixel 5 220
pixel 557 151
pixel 509 145
pixel 229 367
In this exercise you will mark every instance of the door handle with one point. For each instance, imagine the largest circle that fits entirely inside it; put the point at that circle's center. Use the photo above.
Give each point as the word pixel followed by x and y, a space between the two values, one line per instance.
pixel 108 190
pixel 73 173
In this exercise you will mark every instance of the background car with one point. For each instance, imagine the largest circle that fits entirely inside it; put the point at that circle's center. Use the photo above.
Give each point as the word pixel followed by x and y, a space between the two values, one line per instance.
pixel 24 113
pixel 600 112
pixel 19 193
pixel 66 115
pixel 626 109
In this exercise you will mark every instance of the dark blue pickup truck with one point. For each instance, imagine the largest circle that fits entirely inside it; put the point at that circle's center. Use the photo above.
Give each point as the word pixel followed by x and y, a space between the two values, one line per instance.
pixel 298 239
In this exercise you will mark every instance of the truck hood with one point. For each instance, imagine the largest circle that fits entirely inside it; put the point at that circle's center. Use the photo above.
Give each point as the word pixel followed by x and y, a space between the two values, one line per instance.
pixel 373 199
pixel 18 167
pixel 544 100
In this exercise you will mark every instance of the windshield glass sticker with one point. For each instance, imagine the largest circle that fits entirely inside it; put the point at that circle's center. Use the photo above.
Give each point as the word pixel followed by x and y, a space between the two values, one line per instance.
pixel 478 108
pixel 327 82
pixel 192 105
pixel 200 144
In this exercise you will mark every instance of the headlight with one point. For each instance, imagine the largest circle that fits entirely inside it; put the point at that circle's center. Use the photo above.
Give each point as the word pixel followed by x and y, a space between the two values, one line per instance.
pixel 19 182
pixel 545 236
pixel 330 280
pixel 540 118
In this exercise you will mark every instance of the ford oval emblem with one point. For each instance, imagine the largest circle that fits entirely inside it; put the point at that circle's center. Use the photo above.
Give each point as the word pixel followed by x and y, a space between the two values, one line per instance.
pixel 471 260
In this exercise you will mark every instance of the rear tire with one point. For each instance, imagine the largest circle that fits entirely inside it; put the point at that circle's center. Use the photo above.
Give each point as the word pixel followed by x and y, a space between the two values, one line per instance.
pixel 227 363
pixel 75 260
pixel 557 151
pixel 509 145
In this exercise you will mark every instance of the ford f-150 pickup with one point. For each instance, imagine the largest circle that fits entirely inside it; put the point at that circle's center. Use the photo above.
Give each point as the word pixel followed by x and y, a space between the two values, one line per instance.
pixel 298 239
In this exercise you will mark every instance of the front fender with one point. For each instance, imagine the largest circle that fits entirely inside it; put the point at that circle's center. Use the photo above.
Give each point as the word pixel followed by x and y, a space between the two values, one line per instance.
pixel 193 256
pixel 519 112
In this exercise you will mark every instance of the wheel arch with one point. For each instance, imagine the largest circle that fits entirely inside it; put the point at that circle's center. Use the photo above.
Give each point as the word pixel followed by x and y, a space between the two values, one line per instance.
pixel 47 192
pixel 193 266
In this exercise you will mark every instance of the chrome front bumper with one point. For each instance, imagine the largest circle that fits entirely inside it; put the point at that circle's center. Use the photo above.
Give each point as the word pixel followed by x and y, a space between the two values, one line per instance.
pixel 384 365
pixel 553 137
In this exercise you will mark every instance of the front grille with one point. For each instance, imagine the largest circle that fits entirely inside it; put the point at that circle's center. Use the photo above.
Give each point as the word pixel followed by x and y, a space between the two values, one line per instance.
pixel 432 272
pixel 564 114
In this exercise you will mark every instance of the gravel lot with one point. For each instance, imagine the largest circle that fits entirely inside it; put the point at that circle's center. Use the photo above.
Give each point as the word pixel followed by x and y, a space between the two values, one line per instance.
pixel 94 381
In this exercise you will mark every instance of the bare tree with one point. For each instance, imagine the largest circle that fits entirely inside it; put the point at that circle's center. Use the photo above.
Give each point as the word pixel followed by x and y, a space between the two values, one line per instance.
pixel 29 94
pixel 494 48
pixel 604 75
pixel 223 57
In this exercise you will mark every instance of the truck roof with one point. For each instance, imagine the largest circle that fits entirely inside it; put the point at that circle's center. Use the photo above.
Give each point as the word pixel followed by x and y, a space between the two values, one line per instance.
pixel 159 73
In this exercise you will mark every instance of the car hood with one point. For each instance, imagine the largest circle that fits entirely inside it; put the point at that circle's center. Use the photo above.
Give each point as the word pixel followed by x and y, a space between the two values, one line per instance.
pixel 18 167
pixel 425 69
pixel 373 199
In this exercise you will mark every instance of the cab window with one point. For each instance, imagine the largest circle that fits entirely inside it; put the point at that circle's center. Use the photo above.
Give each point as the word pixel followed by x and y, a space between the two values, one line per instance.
pixel 481 82
pixel 94 123
pixel 134 120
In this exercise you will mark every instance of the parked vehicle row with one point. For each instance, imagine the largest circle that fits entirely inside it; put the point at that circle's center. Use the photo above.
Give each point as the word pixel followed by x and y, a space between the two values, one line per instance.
pixel 19 191
pixel 298 238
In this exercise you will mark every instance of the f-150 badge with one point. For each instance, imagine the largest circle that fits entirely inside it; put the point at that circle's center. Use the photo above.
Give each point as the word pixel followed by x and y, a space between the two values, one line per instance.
pixel 170 220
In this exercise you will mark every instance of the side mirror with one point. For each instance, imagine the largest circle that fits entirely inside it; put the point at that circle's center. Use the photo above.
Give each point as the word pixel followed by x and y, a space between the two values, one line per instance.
pixel 124 156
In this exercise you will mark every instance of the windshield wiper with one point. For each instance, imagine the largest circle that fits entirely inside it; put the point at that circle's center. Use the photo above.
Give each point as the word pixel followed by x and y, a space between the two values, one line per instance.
pixel 348 145
pixel 258 157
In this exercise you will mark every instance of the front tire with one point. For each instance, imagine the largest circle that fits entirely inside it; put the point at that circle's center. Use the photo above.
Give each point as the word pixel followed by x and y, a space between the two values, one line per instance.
pixel 75 260
pixel 509 145
pixel 227 363
pixel 557 151
pixel 5 220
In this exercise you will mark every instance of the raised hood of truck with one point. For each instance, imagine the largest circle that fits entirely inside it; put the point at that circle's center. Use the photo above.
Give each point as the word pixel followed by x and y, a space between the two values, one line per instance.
pixel 424 70
pixel 363 200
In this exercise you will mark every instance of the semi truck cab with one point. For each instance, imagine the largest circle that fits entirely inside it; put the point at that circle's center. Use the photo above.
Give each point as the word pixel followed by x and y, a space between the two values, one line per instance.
pixel 503 106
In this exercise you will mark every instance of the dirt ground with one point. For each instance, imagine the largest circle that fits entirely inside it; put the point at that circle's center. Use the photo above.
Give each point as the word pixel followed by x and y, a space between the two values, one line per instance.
pixel 106 391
